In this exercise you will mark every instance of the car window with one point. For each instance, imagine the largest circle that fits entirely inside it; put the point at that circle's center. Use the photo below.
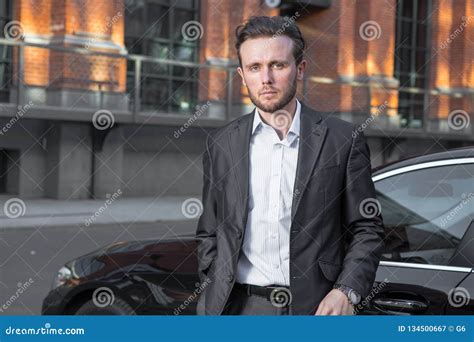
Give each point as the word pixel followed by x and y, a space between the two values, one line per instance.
pixel 426 212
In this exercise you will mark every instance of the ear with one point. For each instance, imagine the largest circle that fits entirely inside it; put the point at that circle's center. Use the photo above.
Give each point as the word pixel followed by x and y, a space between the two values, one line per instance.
pixel 241 73
pixel 300 70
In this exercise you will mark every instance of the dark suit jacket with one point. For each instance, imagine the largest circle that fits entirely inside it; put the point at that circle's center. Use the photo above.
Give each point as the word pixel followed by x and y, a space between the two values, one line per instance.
pixel 331 240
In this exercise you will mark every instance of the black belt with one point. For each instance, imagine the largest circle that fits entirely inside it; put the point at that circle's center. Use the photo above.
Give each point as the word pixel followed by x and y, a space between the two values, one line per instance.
pixel 275 293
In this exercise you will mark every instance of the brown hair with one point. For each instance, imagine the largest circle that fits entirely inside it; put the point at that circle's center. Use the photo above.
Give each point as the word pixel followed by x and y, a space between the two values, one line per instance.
pixel 263 26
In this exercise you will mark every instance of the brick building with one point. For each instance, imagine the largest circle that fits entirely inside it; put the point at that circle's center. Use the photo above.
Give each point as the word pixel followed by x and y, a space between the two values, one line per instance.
pixel 101 95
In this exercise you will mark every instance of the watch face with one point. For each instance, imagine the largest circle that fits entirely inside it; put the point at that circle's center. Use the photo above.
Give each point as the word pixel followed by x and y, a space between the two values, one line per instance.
pixel 354 297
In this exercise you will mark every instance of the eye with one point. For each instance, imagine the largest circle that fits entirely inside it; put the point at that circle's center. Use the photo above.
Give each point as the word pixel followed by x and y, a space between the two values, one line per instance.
pixel 278 65
pixel 253 68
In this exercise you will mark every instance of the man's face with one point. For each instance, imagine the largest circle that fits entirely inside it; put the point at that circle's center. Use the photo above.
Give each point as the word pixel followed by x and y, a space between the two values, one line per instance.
pixel 269 71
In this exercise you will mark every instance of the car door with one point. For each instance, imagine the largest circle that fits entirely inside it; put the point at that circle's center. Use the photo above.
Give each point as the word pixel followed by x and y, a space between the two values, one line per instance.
pixel 462 297
pixel 165 281
pixel 427 209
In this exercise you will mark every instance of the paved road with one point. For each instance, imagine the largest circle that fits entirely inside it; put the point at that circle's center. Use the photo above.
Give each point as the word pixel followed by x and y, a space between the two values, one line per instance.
pixel 38 253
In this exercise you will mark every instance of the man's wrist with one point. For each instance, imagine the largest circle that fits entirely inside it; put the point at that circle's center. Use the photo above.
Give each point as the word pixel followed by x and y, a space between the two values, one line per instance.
pixel 352 295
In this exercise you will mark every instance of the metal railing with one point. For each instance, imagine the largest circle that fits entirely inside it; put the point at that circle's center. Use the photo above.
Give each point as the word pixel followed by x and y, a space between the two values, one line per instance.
pixel 15 80
pixel 376 89
pixel 220 90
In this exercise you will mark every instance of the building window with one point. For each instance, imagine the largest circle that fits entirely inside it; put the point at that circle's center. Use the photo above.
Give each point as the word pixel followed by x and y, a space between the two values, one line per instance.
pixel 411 59
pixel 154 28
pixel 5 52
pixel 5 14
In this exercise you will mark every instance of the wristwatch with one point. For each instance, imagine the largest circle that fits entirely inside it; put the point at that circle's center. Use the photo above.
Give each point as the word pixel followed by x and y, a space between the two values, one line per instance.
pixel 352 295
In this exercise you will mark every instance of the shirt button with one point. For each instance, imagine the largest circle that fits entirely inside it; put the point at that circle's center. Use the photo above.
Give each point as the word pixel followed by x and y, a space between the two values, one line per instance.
pixel 230 278
pixel 276 265
pixel 274 236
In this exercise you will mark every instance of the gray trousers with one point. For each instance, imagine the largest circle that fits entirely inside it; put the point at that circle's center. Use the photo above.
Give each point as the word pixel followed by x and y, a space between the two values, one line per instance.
pixel 239 303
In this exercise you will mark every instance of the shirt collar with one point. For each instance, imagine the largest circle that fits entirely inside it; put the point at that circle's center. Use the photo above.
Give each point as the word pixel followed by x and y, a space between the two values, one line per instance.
pixel 295 123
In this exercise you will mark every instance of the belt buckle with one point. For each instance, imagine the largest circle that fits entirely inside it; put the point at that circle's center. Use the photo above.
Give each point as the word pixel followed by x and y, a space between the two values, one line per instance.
pixel 247 290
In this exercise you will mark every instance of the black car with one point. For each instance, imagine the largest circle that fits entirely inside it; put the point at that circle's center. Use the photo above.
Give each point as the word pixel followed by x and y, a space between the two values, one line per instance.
pixel 427 204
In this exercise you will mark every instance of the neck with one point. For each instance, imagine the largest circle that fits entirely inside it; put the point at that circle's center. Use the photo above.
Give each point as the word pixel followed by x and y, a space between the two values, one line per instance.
pixel 281 131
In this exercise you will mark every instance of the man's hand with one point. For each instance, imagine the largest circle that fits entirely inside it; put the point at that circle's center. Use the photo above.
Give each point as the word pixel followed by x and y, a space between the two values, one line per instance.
pixel 335 303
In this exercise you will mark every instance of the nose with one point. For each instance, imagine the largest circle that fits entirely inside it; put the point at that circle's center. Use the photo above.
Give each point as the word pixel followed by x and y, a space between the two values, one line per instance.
pixel 266 76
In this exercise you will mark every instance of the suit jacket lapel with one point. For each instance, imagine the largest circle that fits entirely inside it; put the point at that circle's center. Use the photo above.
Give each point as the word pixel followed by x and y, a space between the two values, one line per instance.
pixel 239 146
pixel 312 136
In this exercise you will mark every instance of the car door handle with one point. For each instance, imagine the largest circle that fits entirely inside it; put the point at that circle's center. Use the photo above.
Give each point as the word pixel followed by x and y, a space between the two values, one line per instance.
pixel 406 305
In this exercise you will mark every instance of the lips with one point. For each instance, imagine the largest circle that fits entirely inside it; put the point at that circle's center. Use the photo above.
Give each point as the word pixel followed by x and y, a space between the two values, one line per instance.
pixel 268 93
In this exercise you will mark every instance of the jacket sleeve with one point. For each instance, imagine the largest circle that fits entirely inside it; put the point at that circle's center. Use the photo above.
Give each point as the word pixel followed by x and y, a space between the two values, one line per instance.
pixel 206 229
pixel 362 221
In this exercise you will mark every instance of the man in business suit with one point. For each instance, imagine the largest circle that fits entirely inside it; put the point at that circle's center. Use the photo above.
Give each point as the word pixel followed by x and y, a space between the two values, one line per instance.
pixel 288 226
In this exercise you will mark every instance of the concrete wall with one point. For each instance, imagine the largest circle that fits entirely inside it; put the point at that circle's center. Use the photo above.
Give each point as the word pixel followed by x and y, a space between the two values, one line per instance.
pixel 26 161
pixel 54 159
pixel 69 162
pixel 149 161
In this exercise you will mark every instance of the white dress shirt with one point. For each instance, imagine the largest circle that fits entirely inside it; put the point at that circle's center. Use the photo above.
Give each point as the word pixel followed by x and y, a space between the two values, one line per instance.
pixel 265 256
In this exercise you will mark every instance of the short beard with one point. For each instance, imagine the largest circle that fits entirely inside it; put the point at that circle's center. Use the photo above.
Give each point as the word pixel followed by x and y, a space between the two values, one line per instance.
pixel 287 96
